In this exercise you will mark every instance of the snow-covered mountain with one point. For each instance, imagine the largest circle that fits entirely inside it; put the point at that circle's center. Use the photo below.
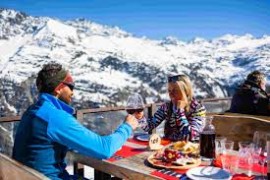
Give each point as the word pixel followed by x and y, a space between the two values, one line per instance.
pixel 109 63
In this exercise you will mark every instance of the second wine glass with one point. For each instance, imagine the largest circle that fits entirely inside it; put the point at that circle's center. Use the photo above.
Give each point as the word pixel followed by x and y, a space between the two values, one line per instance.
pixel 260 151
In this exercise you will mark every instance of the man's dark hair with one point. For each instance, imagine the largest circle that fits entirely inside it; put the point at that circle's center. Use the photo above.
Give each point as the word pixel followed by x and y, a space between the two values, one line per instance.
pixel 256 77
pixel 49 77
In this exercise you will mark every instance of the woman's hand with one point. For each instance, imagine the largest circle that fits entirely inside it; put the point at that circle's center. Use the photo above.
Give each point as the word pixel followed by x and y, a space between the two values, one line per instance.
pixel 181 104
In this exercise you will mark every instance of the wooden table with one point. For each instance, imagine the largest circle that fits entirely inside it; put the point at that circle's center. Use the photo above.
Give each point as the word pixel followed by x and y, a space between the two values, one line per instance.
pixel 134 167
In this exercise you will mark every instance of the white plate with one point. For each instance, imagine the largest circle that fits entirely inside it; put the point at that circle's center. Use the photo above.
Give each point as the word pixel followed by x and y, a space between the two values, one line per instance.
pixel 143 137
pixel 208 172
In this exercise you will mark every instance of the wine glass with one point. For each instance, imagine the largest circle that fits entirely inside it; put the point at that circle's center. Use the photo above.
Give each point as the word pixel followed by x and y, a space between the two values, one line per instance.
pixel 245 155
pixel 229 162
pixel 220 145
pixel 260 151
pixel 135 106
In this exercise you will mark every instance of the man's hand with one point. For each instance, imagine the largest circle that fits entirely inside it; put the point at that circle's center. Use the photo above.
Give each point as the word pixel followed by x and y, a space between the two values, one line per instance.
pixel 132 121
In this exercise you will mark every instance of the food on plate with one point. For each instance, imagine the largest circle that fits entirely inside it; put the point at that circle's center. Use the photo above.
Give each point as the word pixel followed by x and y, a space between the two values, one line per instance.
pixel 186 147
pixel 178 154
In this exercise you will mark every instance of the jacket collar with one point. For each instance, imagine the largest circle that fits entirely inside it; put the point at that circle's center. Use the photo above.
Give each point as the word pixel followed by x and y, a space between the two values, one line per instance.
pixel 56 102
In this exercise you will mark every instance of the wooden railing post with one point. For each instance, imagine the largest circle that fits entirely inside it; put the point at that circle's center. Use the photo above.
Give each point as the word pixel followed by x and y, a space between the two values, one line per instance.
pixel 151 112
pixel 79 115
pixel 77 167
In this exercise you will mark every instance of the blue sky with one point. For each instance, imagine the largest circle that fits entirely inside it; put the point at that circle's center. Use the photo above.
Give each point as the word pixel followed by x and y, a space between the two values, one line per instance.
pixel 184 19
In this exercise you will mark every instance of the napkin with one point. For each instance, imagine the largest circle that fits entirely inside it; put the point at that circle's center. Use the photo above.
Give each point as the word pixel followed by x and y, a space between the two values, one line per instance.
pixel 217 162
pixel 242 177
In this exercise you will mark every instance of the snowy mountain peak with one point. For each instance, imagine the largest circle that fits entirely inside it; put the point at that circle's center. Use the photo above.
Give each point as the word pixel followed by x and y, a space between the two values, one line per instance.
pixel 13 23
pixel 57 28
pixel 198 40
pixel 170 40
pixel 92 28
pixel 11 14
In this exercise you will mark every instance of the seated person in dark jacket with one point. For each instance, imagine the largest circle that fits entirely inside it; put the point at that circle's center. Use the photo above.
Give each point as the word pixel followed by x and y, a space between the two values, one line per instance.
pixel 251 97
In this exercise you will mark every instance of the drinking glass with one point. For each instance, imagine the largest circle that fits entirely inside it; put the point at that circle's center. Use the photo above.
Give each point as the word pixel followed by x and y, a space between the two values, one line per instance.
pixel 220 145
pixel 260 151
pixel 245 155
pixel 228 144
pixel 229 161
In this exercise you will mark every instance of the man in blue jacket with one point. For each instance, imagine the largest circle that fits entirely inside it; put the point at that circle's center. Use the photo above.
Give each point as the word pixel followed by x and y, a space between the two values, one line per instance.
pixel 48 129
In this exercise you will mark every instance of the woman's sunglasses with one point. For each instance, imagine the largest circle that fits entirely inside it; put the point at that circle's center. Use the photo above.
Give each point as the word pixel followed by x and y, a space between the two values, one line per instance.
pixel 71 86
pixel 174 78
pixel 132 111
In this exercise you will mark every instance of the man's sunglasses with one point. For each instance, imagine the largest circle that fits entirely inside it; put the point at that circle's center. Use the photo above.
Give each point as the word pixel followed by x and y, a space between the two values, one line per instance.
pixel 174 78
pixel 71 86
pixel 132 111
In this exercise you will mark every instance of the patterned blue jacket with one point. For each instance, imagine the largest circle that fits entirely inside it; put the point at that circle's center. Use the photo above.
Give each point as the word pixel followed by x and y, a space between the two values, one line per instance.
pixel 179 124
pixel 48 129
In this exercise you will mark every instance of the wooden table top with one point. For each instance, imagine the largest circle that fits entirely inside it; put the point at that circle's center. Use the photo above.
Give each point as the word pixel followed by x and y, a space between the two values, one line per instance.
pixel 133 167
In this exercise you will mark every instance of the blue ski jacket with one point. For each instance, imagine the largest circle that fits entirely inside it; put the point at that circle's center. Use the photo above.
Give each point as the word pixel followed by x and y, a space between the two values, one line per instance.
pixel 48 129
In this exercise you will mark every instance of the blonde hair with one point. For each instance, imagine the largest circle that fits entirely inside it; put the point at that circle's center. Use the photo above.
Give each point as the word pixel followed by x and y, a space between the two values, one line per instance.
pixel 185 87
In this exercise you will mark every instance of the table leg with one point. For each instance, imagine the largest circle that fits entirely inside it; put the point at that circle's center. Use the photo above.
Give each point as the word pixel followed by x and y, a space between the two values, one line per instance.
pixel 98 175
pixel 78 169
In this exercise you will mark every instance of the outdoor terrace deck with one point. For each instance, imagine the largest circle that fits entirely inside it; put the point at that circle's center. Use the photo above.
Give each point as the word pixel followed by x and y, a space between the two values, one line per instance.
pixel 236 127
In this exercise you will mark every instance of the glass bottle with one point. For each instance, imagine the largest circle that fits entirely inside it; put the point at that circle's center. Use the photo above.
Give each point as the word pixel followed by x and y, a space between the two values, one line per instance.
pixel 207 140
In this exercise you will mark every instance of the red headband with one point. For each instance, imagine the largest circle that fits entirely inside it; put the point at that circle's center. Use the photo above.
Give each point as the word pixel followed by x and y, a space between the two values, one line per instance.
pixel 68 80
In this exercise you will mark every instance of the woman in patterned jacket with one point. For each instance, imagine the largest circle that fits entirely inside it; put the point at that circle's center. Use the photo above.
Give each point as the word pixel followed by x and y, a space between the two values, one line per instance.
pixel 184 115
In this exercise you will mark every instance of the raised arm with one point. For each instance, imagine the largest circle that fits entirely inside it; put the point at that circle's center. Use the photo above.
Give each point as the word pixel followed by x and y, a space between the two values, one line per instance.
pixel 66 130
pixel 149 124
pixel 190 125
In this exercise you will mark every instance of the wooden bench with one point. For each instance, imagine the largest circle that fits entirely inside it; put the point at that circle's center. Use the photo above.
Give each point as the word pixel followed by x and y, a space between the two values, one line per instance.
pixel 239 127
pixel 12 170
